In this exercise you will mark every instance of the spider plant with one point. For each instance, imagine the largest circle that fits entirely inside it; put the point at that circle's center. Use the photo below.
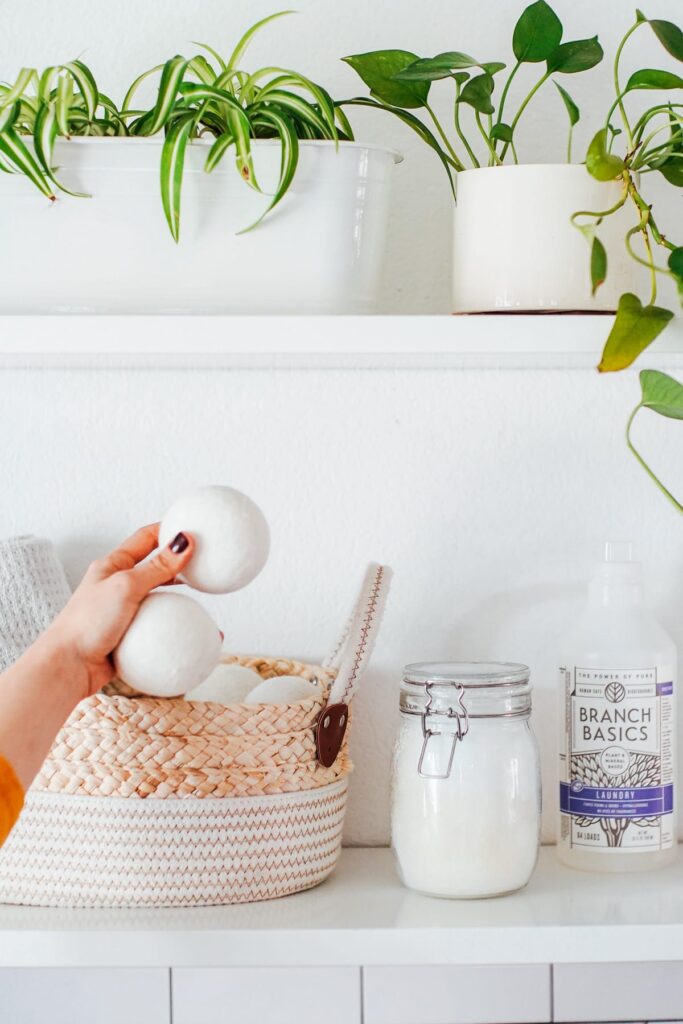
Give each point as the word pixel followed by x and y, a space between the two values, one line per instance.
pixel 649 143
pixel 62 100
pixel 209 96
pixel 483 130
pixel 204 96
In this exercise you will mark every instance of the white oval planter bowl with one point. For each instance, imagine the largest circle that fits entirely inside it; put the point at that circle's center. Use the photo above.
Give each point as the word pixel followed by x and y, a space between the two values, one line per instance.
pixel 515 250
pixel 319 251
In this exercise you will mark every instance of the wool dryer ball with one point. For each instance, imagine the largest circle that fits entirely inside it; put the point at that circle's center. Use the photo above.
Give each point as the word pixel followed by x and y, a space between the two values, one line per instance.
pixel 227 684
pixel 282 690
pixel 230 534
pixel 170 647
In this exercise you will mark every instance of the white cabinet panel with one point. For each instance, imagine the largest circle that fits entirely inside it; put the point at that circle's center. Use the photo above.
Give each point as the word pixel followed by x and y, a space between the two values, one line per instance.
pixel 457 995
pixel 618 992
pixel 88 995
pixel 266 995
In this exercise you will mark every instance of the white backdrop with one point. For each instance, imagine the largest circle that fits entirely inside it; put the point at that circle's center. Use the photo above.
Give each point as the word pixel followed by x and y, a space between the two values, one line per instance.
pixel 489 493
pixel 119 39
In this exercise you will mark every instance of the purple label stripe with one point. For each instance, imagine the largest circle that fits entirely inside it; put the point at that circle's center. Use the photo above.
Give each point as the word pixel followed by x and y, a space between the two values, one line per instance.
pixel 594 802
pixel 665 689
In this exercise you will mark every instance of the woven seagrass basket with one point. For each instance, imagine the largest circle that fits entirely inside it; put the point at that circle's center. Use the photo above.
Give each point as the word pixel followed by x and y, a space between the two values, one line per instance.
pixel 154 802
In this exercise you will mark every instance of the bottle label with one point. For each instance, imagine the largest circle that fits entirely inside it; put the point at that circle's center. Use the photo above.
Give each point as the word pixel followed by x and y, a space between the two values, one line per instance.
pixel 616 768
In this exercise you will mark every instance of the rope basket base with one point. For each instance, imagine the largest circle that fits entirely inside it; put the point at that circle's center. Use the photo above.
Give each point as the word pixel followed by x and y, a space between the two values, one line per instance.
pixel 80 851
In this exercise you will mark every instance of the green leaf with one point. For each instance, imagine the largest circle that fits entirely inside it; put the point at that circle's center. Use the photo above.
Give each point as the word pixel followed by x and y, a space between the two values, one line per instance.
pixel 598 264
pixel 417 126
pixel 128 98
pixel 379 68
pixel 172 166
pixel 662 394
pixel 171 78
pixel 63 101
pixel 12 147
pixel 670 36
pixel 537 33
pixel 672 170
pixel 603 165
pixel 429 69
pixel 242 45
pixel 23 81
pixel 85 81
pixel 289 158
pixel 8 116
pixel 502 131
pixel 218 150
pixel 477 93
pixel 44 135
pixel 214 53
pixel 296 105
pixel 636 326
pixel 649 78
pixel 572 109
pixel 676 263
pixel 579 55
pixel 492 67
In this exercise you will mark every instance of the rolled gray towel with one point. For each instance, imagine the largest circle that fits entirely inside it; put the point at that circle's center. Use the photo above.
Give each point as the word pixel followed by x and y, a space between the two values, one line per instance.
pixel 33 590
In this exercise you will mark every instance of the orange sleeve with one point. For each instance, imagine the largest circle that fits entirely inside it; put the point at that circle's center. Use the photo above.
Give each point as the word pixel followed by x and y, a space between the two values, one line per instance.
pixel 11 798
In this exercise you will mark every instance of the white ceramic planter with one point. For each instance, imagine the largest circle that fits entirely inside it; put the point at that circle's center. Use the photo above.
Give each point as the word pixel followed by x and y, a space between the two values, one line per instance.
pixel 515 250
pixel 319 251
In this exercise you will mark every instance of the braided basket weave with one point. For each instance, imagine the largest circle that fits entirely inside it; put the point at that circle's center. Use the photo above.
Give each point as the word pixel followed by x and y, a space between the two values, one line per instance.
pixel 154 802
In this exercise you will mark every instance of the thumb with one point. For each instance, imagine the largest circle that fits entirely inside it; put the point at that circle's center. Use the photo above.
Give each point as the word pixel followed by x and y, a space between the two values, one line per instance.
pixel 165 565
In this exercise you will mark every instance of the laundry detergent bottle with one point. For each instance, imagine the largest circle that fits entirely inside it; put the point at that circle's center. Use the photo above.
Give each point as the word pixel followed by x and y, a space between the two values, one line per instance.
pixel 617 727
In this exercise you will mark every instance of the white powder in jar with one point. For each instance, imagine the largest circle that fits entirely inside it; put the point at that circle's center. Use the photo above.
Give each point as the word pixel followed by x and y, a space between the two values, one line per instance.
pixel 476 833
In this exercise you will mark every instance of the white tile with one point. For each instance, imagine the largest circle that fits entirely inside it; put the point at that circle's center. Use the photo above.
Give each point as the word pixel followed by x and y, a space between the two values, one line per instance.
pixel 609 992
pixel 266 995
pixel 86 995
pixel 456 995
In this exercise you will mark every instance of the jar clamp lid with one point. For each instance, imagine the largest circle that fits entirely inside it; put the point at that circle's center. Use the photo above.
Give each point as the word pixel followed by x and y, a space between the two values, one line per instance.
pixel 447 695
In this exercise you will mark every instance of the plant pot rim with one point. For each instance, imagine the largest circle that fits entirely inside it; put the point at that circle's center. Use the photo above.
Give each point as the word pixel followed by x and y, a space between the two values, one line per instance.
pixel 157 140
pixel 554 166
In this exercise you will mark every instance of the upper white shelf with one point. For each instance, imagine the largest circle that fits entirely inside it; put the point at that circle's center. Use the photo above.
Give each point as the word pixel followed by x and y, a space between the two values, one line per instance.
pixel 362 915
pixel 487 342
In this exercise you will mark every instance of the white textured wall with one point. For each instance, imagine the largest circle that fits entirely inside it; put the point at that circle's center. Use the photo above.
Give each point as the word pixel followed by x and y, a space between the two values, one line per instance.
pixel 118 38
pixel 488 492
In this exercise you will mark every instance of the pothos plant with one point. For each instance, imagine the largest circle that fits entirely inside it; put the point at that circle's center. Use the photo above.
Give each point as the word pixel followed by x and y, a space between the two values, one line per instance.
pixel 651 143
pixel 484 128
pixel 629 148
pixel 204 96
pixel 663 395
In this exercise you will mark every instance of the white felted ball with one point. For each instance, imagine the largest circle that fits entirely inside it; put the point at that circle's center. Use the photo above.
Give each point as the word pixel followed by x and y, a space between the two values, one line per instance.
pixel 227 684
pixel 230 533
pixel 282 690
pixel 170 647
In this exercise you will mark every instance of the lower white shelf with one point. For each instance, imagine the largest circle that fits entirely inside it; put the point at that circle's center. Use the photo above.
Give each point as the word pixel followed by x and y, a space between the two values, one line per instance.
pixel 364 916
pixel 489 341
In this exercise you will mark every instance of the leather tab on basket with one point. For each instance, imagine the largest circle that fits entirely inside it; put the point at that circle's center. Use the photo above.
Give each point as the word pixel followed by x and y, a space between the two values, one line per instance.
pixel 329 732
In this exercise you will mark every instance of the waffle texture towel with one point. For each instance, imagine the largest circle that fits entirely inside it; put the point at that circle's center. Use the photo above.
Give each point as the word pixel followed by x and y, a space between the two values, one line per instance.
pixel 33 590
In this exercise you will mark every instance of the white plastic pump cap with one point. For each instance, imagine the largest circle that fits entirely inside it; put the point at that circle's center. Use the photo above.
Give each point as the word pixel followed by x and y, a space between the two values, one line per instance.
pixel 618 551
pixel 618 567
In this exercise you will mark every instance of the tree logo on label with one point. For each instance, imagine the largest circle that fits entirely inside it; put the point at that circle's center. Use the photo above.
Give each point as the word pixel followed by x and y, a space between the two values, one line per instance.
pixel 615 693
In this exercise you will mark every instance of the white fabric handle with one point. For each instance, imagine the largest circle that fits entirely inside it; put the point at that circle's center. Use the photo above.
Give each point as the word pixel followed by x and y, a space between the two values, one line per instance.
pixel 352 653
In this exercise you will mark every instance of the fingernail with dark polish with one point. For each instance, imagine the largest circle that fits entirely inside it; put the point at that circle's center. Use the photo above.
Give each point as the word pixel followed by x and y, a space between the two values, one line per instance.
pixel 179 544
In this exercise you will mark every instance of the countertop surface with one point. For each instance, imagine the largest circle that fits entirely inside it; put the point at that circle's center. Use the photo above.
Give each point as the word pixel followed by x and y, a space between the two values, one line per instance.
pixel 363 915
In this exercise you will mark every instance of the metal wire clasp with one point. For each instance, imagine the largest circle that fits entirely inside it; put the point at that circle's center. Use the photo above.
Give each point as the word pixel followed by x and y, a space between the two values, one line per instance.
pixel 459 713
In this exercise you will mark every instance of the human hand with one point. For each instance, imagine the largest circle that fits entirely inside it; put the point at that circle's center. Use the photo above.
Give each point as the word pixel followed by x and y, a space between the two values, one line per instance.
pixel 106 601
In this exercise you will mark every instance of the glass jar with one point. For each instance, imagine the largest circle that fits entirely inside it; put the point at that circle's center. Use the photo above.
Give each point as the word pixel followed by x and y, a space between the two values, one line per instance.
pixel 466 793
